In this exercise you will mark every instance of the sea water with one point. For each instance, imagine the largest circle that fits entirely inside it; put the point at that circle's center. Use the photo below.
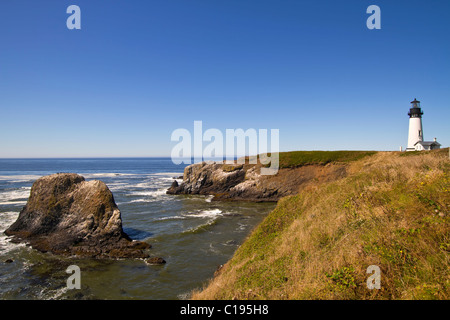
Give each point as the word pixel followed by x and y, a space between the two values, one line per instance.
pixel 192 233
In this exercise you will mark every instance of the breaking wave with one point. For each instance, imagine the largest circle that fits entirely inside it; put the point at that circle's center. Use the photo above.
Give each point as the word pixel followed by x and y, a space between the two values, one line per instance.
pixel 6 220
pixel 213 213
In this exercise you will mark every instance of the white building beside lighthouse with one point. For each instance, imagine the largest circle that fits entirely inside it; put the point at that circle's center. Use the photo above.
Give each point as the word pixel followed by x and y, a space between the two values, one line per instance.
pixel 415 135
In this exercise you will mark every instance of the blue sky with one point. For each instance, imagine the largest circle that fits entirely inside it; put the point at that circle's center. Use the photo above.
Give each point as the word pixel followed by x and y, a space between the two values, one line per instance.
pixel 138 70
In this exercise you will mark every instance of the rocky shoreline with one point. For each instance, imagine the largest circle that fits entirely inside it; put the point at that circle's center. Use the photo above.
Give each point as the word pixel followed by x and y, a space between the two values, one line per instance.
pixel 244 182
pixel 67 215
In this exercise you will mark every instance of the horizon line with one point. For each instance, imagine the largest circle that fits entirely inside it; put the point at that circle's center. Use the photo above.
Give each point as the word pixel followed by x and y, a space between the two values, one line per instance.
pixel 87 157
pixel 166 157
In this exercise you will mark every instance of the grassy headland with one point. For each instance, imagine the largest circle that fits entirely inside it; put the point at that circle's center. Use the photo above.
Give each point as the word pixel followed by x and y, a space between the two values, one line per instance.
pixel 391 210
pixel 294 159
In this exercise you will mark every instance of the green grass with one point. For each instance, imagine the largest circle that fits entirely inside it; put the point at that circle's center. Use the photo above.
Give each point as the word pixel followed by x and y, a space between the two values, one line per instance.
pixel 391 211
pixel 442 151
pixel 300 158
pixel 231 168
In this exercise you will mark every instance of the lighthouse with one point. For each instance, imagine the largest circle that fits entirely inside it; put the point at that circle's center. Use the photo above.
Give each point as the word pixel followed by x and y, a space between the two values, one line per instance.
pixel 415 135
pixel 415 125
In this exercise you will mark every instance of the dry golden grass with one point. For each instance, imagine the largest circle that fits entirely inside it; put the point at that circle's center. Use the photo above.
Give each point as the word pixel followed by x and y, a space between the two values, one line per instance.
pixel 391 210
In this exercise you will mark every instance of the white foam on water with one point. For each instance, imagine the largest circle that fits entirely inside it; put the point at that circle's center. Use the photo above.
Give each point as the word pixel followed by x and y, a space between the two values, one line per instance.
pixel 171 179
pixel 150 196
pixel 10 195
pixel 170 218
pixel 106 174
pixel 52 294
pixel 117 186
pixel 200 227
pixel 6 220
pixel 209 198
pixel 154 193
pixel 171 174
pixel 13 203
pixel 20 178
pixel 213 213
pixel 144 185
pixel 211 217
pixel 139 200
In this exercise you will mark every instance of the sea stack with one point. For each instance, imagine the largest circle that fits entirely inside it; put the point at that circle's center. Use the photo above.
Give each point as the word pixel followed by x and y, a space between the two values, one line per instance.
pixel 67 215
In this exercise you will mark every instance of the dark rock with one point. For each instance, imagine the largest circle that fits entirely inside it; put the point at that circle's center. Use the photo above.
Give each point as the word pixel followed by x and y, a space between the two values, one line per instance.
pixel 207 179
pixel 155 260
pixel 173 188
pixel 218 270
pixel 70 216
pixel 231 243
pixel 9 261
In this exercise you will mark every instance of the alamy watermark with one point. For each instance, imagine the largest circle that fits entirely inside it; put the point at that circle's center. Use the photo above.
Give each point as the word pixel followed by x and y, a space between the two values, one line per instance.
pixel 73 22
pixel 74 281
pixel 374 281
pixel 236 146
pixel 374 21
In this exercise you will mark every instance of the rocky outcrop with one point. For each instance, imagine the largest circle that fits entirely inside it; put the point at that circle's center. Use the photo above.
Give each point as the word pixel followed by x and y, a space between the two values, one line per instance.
pixel 70 216
pixel 155 260
pixel 207 179
pixel 245 182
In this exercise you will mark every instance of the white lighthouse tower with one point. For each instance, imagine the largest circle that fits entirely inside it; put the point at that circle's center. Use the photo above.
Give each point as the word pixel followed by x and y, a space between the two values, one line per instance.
pixel 415 125
pixel 415 136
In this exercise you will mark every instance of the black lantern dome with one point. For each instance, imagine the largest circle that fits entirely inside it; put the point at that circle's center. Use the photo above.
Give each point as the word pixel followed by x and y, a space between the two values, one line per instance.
pixel 415 111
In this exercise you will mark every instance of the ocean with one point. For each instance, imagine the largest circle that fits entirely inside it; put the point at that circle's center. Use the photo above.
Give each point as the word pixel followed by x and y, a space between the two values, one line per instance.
pixel 192 233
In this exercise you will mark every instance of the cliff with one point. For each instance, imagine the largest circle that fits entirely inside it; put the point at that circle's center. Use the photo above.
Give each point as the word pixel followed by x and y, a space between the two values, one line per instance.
pixel 245 181
pixel 391 210
pixel 70 216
